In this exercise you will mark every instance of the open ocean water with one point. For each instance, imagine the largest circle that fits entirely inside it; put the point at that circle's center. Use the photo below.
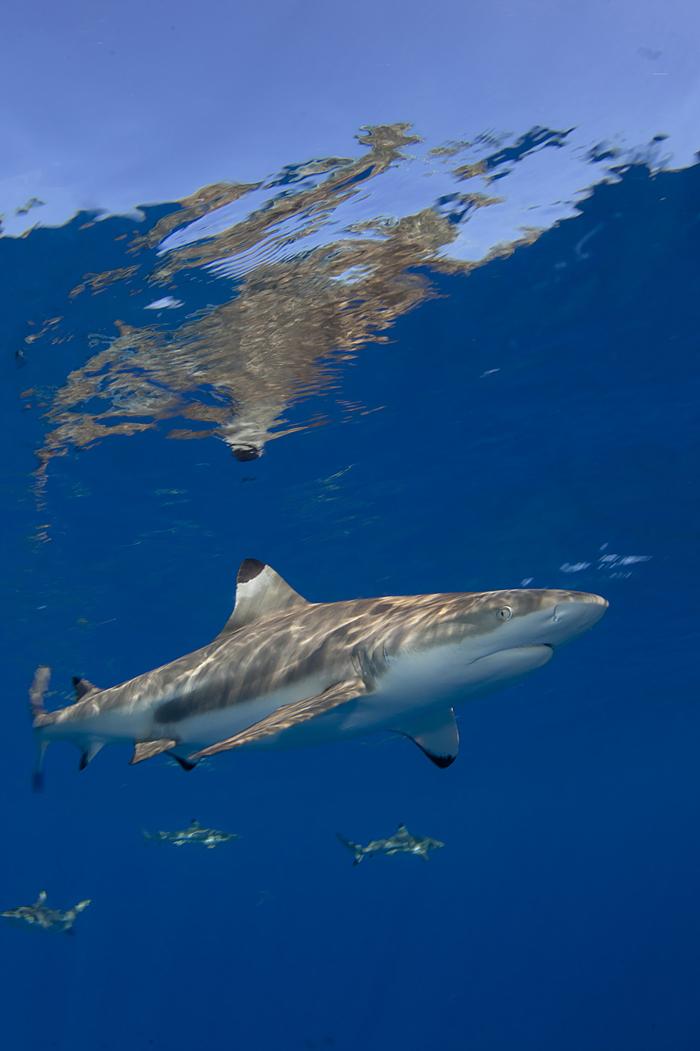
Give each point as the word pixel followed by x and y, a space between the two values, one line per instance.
pixel 344 367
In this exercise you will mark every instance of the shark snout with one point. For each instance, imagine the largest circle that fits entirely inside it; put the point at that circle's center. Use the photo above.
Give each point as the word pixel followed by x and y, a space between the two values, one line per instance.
pixel 575 613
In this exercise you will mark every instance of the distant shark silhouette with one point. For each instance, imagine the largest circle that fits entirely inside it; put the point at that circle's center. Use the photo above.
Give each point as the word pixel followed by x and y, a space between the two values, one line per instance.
pixel 402 842
pixel 194 833
pixel 41 916
pixel 284 671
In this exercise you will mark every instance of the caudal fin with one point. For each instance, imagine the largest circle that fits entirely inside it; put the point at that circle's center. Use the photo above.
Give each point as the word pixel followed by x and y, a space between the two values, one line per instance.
pixel 356 848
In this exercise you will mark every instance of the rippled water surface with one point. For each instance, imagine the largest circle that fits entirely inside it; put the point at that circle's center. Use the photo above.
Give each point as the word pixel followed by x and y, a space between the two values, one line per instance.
pixel 416 360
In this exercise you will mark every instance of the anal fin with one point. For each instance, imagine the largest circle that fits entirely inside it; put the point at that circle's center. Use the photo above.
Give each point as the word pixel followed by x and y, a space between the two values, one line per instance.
pixel 437 736
pixel 147 749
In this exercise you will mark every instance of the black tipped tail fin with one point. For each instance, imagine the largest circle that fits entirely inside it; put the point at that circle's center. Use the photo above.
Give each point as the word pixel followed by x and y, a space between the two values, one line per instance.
pixel 38 781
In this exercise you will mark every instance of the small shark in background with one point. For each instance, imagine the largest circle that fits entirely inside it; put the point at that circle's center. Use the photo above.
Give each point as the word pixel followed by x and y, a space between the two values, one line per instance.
pixel 196 833
pixel 285 671
pixel 402 842
pixel 39 915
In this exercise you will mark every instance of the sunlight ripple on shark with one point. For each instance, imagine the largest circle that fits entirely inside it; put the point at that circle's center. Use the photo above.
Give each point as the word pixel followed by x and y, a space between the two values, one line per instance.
pixel 284 671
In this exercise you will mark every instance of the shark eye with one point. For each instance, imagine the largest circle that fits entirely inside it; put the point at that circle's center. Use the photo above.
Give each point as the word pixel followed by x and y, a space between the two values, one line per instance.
pixel 505 613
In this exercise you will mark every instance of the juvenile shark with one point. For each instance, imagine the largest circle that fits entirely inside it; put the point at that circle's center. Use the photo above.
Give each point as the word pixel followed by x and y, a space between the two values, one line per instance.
pixel 195 833
pixel 40 915
pixel 402 842
pixel 284 671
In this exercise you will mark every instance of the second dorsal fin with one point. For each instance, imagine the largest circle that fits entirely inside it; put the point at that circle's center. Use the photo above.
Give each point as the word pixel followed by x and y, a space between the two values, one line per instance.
pixel 260 592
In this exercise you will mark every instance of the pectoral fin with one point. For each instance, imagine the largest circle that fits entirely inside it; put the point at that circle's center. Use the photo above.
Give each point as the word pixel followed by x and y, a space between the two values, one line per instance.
pixel 147 749
pixel 290 715
pixel 437 736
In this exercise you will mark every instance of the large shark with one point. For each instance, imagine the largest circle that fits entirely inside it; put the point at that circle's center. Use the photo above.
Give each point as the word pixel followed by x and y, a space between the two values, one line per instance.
pixel 285 671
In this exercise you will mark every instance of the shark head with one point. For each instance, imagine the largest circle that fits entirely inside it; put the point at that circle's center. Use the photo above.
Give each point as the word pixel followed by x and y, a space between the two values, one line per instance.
pixel 518 618
pixel 475 641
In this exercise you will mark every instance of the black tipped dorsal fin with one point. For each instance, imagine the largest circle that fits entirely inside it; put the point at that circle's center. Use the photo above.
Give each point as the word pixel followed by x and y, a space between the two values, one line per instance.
pixel 83 687
pixel 260 592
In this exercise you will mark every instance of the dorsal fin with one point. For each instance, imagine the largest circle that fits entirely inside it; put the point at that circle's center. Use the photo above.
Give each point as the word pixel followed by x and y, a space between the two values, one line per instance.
pixel 260 592
pixel 83 687
pixel 41 898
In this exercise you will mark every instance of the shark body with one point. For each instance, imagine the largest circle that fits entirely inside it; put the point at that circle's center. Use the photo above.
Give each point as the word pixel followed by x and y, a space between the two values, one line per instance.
pixel 41 916
pixel 284 671
pixel 402 842
pixel 194 833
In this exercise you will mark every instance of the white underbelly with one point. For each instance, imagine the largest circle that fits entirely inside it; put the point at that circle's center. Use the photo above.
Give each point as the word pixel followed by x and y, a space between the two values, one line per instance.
pixel 410 688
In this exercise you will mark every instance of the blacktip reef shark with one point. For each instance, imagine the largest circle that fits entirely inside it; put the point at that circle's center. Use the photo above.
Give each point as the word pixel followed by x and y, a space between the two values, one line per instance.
pixel 402 842
pixel 195 833
pixel 40 915
pixel 284 671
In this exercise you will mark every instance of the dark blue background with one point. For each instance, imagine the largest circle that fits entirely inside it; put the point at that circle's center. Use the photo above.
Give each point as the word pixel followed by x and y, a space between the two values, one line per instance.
pixel 564 910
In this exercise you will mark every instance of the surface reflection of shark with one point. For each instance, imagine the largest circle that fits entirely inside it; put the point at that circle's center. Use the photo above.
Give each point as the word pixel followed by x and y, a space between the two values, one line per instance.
pixel 309 276
pixel 194 833
pixel 402 842
pixel 40 915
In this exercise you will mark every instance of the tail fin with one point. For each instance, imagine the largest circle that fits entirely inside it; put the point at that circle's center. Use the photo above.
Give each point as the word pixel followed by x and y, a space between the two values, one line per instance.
pixel 356 848
pixel 37 692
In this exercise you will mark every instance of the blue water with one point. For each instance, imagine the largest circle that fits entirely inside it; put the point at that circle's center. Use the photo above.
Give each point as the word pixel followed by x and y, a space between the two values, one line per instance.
pixel 535 420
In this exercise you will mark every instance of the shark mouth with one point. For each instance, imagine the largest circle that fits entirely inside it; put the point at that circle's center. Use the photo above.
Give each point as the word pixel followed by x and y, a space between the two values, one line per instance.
pixel 510 663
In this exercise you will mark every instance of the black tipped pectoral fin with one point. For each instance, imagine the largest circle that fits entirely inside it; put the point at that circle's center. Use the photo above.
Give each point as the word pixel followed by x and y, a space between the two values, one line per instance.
pixel 437 737
pixel 148 749
pixel 290 715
